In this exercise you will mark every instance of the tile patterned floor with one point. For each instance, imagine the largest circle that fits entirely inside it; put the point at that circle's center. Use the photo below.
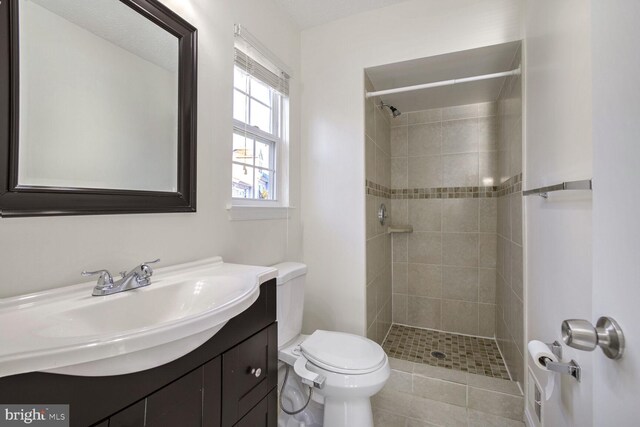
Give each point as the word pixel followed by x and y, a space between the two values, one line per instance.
pixel 463 353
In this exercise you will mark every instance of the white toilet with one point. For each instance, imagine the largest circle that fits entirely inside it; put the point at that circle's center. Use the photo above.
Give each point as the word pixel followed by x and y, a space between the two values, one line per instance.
pixel 342 371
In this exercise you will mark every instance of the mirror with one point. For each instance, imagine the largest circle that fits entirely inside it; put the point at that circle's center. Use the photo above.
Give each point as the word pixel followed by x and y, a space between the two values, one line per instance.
pixel 101 102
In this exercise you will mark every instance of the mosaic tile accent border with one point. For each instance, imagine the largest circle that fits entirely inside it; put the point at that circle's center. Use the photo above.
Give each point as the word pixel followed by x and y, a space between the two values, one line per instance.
pixel 445 193
pixel 512 185
pixel 463 353
pixel 377 189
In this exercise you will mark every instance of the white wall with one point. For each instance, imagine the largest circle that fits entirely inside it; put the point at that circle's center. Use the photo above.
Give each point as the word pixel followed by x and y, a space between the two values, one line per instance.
pixel 333 59
pixel 616 203
pixel 41 253
pixel 557 62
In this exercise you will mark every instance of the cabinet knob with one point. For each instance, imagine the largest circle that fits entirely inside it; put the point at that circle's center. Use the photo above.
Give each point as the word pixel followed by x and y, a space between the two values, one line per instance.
pixel 255 372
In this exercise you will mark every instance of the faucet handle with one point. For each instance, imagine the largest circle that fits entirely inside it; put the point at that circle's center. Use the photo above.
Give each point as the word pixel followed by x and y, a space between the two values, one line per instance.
pixel 105 278
pixel 145 272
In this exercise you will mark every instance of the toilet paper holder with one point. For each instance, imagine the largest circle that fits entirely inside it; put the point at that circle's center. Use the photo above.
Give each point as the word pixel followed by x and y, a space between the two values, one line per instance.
pixel 572 368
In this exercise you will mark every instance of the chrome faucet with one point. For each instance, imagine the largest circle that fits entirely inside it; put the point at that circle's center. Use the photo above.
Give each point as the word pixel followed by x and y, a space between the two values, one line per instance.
pixel 139 277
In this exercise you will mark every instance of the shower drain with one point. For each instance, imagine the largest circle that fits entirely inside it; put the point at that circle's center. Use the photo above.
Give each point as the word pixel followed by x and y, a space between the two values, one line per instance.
pixel 438 355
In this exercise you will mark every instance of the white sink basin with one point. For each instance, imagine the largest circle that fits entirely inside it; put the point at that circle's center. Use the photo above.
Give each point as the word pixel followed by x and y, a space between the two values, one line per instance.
pixel 68 331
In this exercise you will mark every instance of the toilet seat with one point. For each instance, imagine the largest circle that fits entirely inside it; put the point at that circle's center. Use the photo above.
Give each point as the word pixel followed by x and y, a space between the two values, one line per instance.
pixel 343 353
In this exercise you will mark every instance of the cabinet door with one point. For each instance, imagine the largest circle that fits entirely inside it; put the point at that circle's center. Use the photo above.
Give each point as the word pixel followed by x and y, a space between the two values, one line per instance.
pixel 178 404
pixel 212 393
pixel 263 414
pixel 133 416
pixel 249 372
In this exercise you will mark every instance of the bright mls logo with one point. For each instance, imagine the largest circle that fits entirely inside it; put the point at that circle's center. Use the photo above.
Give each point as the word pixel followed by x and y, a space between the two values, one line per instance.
pixel 34 415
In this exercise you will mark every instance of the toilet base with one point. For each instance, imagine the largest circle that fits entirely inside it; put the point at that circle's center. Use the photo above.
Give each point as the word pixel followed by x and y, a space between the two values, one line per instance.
pixel 348 413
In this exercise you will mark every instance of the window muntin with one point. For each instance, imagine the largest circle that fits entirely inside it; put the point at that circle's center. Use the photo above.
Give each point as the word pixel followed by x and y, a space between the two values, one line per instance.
pixel 257 133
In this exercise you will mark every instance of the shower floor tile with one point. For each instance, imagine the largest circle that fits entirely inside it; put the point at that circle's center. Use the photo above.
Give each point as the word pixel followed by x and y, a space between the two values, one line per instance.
pixel 462 353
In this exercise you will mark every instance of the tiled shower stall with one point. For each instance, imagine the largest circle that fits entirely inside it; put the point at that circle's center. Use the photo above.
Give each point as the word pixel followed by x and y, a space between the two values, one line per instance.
pixel 454 174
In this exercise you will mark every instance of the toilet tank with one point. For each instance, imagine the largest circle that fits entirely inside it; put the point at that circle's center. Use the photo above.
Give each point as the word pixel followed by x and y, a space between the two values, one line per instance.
pixel 290 300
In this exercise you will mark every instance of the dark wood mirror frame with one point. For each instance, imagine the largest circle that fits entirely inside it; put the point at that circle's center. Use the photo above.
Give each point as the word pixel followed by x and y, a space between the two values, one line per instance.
pixel 20 200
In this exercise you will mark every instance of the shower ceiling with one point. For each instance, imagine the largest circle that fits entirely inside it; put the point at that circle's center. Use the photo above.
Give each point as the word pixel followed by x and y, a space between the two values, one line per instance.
pixel 467 63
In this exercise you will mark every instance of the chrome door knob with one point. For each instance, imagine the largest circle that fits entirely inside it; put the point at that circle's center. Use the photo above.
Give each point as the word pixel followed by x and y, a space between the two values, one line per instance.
pixel 256 372
pixel 607 334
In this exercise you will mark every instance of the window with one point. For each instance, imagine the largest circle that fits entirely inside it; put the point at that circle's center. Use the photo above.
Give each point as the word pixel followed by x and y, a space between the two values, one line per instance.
pixel 260 105
pixel 257 116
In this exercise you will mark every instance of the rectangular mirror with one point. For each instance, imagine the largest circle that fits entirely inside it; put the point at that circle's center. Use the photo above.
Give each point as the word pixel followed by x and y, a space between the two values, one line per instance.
pixel 101 107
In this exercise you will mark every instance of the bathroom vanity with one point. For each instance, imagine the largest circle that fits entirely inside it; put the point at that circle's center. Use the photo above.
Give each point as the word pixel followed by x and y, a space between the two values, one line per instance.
pixel 230 380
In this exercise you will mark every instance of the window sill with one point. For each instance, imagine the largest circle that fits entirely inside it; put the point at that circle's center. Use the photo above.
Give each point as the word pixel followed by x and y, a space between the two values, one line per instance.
pixel 255 212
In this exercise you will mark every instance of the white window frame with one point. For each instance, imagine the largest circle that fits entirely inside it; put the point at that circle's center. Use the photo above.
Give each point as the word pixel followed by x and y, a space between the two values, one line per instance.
pixel 275 208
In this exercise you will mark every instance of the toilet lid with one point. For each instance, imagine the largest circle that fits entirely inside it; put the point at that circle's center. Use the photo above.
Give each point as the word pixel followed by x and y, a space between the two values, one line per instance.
pixel 343 353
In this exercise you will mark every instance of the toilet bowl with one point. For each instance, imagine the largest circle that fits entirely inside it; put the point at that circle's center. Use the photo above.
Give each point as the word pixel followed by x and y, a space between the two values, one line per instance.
pixel 330 376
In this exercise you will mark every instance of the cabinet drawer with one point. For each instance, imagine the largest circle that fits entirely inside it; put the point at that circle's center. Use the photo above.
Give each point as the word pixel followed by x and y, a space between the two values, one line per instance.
pixel 249 373
pixel 264 414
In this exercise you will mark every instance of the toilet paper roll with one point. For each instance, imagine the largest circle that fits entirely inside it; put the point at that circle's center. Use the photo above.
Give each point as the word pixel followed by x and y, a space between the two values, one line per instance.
pixel 539 351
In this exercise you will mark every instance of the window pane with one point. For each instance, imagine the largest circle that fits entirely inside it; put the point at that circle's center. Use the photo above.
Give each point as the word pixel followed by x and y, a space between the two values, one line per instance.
pixel 263 184
pixel 242 149
pixel 260 116
pixel 242 185
pixel 261 91
pixel 240 79
pixel 240 106
pixel 263 154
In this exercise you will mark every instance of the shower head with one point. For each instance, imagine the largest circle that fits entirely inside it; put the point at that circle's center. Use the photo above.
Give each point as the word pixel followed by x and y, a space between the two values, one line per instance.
pixel 394 111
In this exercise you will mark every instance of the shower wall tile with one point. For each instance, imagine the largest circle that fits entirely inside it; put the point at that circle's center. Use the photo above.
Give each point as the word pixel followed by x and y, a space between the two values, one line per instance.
pixel 424 280
pixel 400 248
pixel 400 211
pixel 370 220
pixel 487 134
pixel 370 159
pixel 460 283
pixel 487 109
pixel 487 285
pixel 400 276
pixel 460 215
pixel 424 140
pixel 515 213
pixel 460 316
pixel 424 116
pixel 383 131
pixel 460 249
pixel 424 312
pixel 488 215
pixel 399 172
pixel 487 320
pixel 425 172
pixel 401 120
pixel 378 172
pixel 442 260
pixel 488 169
pixel 399 141
pixel 425 247
pixel 517 274
pixel 460 170
pixel 487 250
pixel 460 136
pixel 400 308
pixel 460 112
pixel 425 214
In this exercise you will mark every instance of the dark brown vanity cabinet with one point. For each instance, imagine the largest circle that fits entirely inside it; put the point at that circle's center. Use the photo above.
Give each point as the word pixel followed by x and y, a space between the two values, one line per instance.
pixel 230 380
